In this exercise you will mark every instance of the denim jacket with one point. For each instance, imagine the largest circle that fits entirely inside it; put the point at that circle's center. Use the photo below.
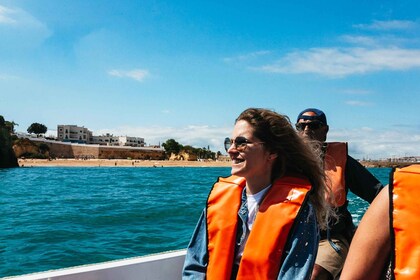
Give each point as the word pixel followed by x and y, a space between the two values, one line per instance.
pixel 301 249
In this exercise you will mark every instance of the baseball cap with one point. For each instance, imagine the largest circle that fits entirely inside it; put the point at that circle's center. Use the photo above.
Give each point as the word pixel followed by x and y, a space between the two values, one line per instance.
pixel 319 116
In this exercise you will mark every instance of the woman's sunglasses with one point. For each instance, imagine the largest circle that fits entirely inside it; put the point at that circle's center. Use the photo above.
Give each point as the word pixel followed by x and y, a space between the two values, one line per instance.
pixel 310 125
pixel 240 143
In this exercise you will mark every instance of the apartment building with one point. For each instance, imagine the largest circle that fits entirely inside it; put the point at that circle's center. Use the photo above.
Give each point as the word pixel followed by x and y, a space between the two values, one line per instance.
pixel 81 135
pixel 74 134
pixel 131 141
pixel 111 140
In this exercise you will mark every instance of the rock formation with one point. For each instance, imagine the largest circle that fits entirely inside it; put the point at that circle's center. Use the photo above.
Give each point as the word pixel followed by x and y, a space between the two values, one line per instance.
pixel 7 156
pixel 26 148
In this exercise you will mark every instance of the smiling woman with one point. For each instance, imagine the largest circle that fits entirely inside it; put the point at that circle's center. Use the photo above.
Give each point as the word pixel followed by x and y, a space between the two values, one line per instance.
pixel 276 191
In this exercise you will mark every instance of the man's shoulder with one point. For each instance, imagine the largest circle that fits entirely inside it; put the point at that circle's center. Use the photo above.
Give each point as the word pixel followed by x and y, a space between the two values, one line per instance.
pixel 352 162
pixel 359 174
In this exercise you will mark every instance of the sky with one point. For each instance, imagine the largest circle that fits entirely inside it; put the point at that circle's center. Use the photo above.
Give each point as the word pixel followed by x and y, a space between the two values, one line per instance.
pixel 186 69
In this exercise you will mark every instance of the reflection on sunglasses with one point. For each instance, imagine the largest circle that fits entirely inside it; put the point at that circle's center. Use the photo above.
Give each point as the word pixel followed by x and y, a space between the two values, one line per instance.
pixel 240 143
pixel 310 125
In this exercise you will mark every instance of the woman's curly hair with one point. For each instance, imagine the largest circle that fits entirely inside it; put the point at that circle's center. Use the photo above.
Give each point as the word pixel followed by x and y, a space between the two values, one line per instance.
pixel 294 155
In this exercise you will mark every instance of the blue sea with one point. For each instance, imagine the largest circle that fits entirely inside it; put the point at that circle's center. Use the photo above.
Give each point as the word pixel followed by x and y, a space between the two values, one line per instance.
pixel 56 217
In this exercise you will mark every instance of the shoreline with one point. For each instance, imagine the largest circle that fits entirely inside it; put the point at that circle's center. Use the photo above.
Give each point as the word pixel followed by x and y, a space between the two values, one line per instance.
pixel 118 163
pixel 156 163
pixel 386 164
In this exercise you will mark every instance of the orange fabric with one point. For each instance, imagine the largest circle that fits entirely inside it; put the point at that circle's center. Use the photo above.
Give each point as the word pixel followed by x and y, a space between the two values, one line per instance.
pixel 335 166
pixel 406 222
pixel 265 245
pixel 222 211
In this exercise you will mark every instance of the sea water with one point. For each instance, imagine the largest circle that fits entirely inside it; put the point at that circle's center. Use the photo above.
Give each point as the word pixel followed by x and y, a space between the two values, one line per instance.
pixel 56 217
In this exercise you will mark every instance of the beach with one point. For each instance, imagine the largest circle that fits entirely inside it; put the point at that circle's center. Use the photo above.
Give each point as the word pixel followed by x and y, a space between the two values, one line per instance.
pixel 118 163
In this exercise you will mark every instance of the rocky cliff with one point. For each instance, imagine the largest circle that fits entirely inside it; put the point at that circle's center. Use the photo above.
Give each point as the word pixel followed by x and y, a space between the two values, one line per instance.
pixel 52 149
pixel 26 148
pixel 7 156
pixel 183 155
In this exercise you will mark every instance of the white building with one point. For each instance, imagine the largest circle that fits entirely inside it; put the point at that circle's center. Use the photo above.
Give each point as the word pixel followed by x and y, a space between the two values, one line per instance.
pixel 131 141
pixel 82 135
pixel 106 139
pixel 73 133
pixel 111 140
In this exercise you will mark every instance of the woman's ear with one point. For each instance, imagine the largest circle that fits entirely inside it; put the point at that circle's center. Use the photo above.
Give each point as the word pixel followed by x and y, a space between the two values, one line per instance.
pixel 272 156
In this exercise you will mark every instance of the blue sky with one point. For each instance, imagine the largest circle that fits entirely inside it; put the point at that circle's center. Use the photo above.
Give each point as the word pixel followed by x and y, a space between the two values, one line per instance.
pixel 186 69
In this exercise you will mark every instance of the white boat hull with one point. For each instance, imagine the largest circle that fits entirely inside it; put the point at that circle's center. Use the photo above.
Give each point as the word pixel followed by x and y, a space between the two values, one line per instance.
pixel 164 266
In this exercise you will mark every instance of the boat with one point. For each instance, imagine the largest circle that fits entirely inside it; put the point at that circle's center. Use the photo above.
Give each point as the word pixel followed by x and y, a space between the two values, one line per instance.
pixel 162 266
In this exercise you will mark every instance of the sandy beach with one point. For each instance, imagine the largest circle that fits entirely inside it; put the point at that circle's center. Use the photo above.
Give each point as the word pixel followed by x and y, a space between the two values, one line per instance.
pixel 119 163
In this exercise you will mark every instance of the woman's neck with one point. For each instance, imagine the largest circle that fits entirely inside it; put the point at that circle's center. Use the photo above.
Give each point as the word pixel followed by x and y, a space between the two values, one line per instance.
pixel 255 185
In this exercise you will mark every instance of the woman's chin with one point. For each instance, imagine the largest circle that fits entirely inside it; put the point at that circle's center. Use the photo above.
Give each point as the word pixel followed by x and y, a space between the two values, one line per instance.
pixel 237 169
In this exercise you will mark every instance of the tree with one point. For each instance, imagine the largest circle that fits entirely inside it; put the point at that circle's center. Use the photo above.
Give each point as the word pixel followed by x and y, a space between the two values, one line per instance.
pixel 10 126
pixel 37 128
pixel 171 146
pixel 190 149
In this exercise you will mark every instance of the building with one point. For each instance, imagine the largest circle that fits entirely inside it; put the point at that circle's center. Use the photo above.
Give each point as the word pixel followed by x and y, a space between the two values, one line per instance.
pixel 73 134
pixel 106 139
pixel 81 135
pixel 111 140
pixel 131 141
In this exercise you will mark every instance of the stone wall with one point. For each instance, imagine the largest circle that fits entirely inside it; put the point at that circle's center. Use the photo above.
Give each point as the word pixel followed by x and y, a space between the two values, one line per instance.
pixel 67 150
pixel 139 153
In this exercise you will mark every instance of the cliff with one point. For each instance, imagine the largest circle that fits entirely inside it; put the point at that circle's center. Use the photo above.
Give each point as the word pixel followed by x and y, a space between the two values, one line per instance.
pixel 38 148
pixel 29 149
pixel 7 156
pixel 183 155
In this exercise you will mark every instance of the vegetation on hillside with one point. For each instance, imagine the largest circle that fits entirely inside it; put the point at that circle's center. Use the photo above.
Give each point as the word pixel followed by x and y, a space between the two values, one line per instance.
pixel 171 146
pixel 9 125
pixel 7 156
pixel 37 128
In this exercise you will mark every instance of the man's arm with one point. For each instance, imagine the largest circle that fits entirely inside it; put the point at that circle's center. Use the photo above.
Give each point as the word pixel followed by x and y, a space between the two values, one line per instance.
pixel 360 181
pixel 370 247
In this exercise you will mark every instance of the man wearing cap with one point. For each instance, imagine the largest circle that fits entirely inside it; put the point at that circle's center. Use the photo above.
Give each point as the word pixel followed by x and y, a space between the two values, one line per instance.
pixel 343 173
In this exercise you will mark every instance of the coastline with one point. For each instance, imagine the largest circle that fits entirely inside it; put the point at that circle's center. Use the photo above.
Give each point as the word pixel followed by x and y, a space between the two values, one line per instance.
pixel 118 163
pixel 386 164
pixel 156 163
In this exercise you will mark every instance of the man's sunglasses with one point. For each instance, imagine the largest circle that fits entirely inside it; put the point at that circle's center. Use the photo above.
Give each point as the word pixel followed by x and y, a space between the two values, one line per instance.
pixel 310 125
pixel 240 143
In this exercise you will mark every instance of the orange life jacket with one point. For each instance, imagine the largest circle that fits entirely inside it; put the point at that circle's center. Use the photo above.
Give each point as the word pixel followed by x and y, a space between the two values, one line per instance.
pixel 405 216
pixel 264 249
pixel 335 159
